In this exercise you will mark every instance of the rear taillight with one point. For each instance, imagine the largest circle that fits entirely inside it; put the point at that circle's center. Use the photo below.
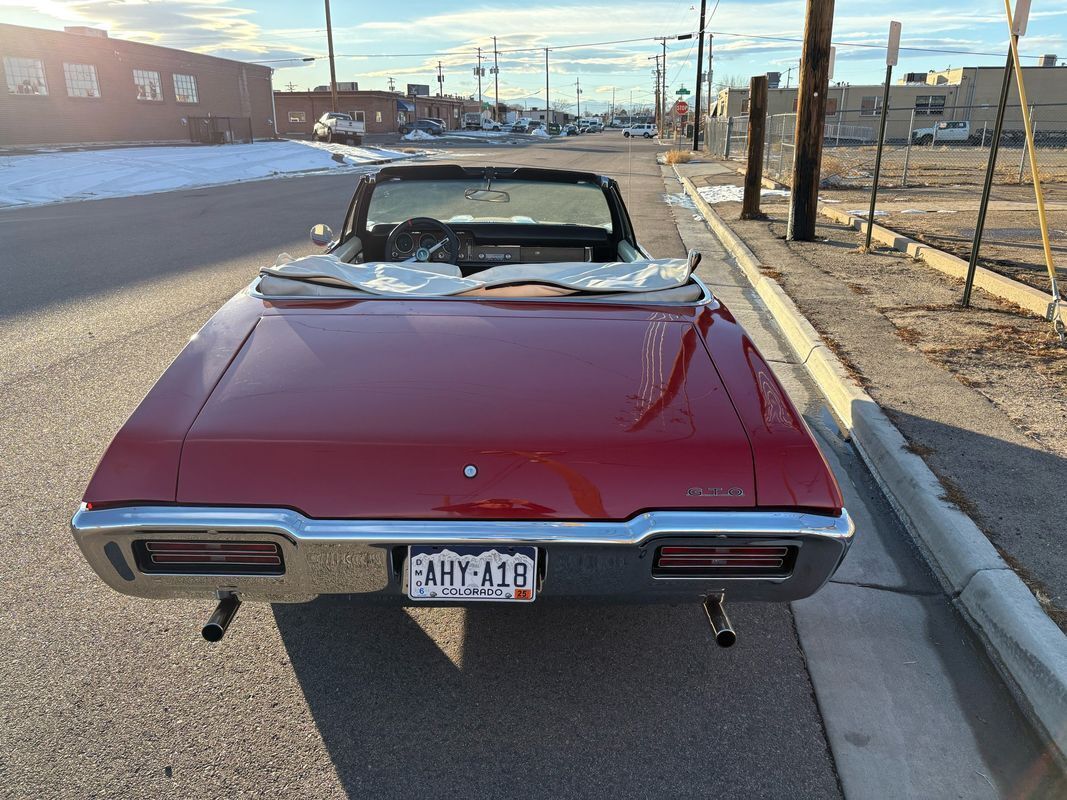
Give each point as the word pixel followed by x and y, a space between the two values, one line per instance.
pixel 723 561
pixel 209 557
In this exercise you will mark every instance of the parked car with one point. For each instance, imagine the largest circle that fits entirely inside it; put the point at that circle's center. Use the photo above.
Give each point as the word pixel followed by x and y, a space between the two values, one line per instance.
pixel 469 410
pixel 425 125
pixel 521 125
pixel 441 122
pixel 570 130
pixel 338 126
pixel 489 124
pixel 950 131
pixel 554 128
pixel 646 130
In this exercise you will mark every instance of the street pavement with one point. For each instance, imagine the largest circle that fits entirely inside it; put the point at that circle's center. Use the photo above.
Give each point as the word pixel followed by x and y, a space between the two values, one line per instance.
pixel 875 684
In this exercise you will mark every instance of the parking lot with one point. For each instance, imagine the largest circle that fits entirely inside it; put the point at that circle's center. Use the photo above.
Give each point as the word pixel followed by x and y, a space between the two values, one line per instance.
pixel 873 688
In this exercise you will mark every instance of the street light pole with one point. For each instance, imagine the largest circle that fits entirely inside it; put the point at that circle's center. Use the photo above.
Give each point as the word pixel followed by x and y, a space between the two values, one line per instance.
pixel 333 72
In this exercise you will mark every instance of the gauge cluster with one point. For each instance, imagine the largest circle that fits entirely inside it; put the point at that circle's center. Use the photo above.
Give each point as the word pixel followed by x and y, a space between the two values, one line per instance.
pixel 407 244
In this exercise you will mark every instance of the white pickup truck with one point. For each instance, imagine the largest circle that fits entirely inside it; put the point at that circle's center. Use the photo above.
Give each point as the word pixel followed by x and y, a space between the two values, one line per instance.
pixel 473 121
pixel 944 133
pixel 339 126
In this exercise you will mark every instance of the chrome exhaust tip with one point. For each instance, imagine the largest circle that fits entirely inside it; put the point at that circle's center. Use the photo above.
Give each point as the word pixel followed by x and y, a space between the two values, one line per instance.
pixel 220 621
pixel 721 629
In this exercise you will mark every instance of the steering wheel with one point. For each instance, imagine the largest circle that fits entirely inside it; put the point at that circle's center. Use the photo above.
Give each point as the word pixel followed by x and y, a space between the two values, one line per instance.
pixel 445 238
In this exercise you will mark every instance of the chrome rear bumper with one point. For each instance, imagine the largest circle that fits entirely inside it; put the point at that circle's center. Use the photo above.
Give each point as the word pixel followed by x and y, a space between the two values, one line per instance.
pixel 594 560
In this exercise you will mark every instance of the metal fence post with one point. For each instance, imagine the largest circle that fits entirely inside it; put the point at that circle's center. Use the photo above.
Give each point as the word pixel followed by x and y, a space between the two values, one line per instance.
pixel 984 125
pixel 781 145
pixel 1022 158
pixel 907 150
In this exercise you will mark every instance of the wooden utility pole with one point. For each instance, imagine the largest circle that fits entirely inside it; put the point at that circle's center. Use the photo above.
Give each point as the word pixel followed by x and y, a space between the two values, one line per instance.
pixel 333 72
pixel 757 123
pixel 547 106
pixel 811 119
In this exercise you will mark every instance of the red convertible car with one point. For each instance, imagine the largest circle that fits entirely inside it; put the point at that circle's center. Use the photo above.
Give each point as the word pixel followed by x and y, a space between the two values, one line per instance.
pixel 483 390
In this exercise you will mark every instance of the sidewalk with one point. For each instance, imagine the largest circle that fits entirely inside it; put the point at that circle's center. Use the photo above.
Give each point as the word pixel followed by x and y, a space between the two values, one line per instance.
pixel 978 394
pixel 911 705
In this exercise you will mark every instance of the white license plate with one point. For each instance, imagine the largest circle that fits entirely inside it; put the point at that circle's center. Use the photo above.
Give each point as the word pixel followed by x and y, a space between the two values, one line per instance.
pixel 467 573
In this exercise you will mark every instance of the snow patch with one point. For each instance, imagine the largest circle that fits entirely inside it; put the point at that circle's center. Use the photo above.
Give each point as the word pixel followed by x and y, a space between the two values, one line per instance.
pixel 862 212
pixel 733 194
pixel 540 133
pixel 683 200
pixel 416 135
pixel 122 172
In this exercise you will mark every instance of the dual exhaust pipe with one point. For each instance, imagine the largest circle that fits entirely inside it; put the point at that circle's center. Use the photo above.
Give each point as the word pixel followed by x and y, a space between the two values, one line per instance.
pixel 721 629
pixel 219 622
pixel 229 603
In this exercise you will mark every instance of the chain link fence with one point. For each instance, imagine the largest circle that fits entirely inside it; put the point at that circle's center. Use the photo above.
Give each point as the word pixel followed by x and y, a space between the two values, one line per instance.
pixel 933 168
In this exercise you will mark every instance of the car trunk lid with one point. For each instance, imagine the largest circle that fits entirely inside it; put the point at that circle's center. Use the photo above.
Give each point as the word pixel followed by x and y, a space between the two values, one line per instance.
pixel 581 415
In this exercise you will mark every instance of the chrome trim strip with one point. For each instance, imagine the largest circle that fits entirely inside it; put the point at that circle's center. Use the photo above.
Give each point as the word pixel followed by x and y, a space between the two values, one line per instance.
pixel 635 531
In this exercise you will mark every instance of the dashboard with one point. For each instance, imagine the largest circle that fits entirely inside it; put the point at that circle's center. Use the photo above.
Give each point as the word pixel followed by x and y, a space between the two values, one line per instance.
pixel 474 252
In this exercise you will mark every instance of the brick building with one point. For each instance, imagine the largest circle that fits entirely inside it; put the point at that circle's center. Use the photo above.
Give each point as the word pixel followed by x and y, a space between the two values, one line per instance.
pixel 80 85
pixel 381 111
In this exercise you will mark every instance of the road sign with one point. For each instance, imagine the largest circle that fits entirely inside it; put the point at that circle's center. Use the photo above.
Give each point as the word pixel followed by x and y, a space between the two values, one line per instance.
pixel 681 108
pixel 682 91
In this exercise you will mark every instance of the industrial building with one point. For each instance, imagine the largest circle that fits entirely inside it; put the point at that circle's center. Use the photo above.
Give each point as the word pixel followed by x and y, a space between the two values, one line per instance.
pixel 81 86
pixel 380 111
pixel 920 99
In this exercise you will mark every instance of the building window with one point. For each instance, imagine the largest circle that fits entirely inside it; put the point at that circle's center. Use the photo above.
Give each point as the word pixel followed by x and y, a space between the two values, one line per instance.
pixel 148 85
pixel 871 106
pixel 81 80
pixel 358 116
pixel 25 76
pixel 298 116
pixel 744 106
pixel 930 105
pixel 377 116
pixel 185 89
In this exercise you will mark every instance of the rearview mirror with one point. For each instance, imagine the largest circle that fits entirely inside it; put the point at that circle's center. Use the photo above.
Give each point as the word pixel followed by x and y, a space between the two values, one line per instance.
pixel 321 234
pixel 487 195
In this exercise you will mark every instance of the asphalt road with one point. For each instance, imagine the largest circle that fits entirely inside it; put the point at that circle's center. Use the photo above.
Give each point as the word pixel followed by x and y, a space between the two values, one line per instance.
pixel 110 696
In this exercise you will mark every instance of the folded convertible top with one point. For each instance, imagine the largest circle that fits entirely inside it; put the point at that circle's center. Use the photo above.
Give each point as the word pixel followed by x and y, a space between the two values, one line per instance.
pixel 327 272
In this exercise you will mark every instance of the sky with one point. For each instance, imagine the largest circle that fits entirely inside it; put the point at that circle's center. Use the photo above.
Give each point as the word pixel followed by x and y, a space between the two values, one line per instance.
pixel 598 45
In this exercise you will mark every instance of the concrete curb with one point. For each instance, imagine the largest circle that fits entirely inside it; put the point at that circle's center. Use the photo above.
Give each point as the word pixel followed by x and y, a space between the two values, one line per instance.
pixel 1029 649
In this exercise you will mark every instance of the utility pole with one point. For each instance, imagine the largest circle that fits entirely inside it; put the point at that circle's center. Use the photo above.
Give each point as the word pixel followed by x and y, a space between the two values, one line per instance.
pixel 496 86
pixel 700 62
pixel 392 85
pixel 333 72
pixel 757 122
pixel 578 95
pixel 291 86
pixel 546 82
pixel 811 117
pixel 663 94
pixel 478 71
pixel 611 119
pixel 440 80
pixel 711 68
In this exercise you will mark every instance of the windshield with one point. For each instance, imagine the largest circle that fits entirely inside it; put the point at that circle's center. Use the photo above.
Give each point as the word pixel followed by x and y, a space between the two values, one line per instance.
pixel 529 202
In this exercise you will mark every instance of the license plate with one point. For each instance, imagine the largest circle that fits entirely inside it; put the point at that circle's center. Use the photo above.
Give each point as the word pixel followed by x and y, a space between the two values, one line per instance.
pixel 466 573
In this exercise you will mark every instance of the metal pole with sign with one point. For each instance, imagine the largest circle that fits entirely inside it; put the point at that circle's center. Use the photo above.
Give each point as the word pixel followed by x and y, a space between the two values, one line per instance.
pixel 891 54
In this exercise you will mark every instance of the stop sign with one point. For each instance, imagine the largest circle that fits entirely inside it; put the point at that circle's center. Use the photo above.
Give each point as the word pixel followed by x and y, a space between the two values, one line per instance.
pixel 681 108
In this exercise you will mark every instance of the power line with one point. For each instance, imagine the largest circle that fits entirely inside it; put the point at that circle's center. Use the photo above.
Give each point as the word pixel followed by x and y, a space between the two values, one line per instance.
pixel 651 39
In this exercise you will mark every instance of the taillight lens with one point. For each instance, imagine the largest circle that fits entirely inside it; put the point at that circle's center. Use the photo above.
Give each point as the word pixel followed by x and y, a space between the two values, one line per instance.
pixel 723 561
pixel 209 557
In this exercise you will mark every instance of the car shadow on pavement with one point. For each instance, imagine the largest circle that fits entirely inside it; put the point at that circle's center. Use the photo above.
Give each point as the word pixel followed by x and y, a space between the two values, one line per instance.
pixel 551 700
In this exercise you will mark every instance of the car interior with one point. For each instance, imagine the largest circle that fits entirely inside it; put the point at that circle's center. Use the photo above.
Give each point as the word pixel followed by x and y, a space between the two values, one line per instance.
pixel 485 231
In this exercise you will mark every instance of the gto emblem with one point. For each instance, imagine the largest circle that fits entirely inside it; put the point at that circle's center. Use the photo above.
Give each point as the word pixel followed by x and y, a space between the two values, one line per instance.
pixel 470 471
pixel 715 491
